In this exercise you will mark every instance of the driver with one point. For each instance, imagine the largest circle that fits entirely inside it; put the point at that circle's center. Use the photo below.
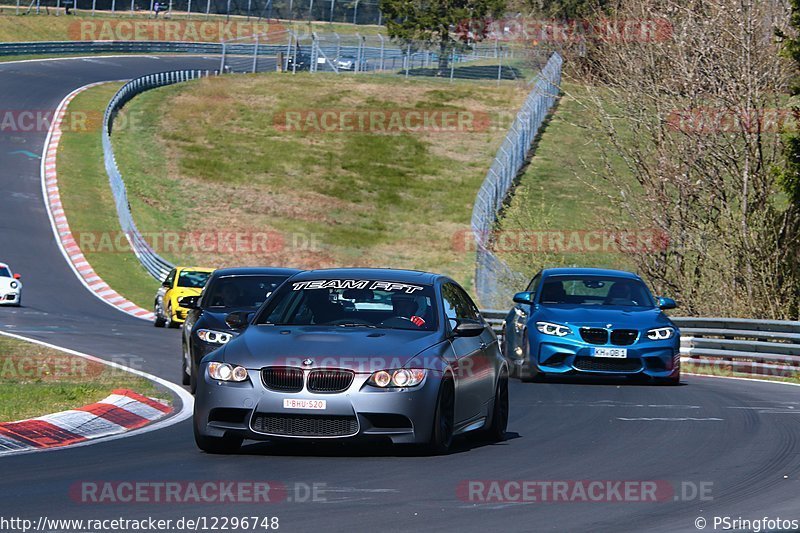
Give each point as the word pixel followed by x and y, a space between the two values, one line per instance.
pixel 409 307
pixel 322 309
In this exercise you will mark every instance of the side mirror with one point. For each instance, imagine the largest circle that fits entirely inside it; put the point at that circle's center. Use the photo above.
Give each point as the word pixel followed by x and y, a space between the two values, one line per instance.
pixel 666 303
pixel 17 276
pixel 166 284
pixel 189 302
pixel 468 328
pixel 238 320
pixel 523 298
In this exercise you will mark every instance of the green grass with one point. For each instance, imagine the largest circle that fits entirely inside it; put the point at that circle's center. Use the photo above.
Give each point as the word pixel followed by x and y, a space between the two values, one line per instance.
pixel 88 201
pixel 724 371
pixel 36 381
pixel 563 191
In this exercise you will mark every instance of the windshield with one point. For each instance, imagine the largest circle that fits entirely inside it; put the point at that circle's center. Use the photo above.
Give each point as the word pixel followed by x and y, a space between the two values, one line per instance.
pixel 352 303
pixel 241 291
pixel 594 290
pixel 193 279
pixel 5 273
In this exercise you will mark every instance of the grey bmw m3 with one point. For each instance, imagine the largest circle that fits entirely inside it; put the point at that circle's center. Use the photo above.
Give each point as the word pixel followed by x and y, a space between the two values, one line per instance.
pixel 397 355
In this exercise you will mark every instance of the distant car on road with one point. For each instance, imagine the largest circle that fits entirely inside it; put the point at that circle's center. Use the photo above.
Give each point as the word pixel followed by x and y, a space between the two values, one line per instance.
pixel 180 282
pixel 10 286
pixel 349 63
pixel 393 355
pixel 227 290
pixel 591 322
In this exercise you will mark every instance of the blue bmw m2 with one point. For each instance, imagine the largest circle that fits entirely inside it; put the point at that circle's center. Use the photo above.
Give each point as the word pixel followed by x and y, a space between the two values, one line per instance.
pixel 587 321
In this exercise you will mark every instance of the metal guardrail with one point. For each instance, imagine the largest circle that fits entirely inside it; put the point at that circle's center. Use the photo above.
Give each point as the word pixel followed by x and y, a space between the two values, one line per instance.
pixel 762 347
pixel 157 266
pixel 492 275
pixel 98 47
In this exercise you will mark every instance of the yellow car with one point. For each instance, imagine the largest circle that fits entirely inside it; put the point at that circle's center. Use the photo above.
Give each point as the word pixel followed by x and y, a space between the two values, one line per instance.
pixel 180 282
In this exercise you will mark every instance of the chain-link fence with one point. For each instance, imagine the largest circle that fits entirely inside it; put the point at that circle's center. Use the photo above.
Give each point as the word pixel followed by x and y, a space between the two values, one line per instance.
pixel 293 51
pixel 344 11
pixel 494 279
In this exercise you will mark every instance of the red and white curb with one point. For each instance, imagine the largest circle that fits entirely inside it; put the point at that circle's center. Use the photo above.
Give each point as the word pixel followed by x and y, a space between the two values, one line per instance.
pixel 58 220
pixel 122 411
pixel 93 418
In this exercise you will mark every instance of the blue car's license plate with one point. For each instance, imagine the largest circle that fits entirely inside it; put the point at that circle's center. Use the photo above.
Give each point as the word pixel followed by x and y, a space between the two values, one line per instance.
pixel 616 353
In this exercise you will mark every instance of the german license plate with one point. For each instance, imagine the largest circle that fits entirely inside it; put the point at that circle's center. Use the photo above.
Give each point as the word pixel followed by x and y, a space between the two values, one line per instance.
pixel 615 353
pixel 300 403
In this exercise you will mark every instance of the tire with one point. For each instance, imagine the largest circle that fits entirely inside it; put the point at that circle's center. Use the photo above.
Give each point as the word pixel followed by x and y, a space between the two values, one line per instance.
pixel 217 445
pixel 496 432
pixel 671 381
pixel 170 322
pixel 185 371
pixel 159 321
pixel 443 420
pixel 524 371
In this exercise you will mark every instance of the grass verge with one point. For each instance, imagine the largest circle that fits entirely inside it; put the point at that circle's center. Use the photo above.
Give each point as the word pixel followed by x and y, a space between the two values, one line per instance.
pixel 726 371
pixel 36 380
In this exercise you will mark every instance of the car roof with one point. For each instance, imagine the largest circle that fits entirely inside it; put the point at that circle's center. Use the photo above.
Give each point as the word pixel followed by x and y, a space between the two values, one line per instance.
pixel 588 272
pixel 255 271
pixel 383 274
pixel 197 269
pixel 4 265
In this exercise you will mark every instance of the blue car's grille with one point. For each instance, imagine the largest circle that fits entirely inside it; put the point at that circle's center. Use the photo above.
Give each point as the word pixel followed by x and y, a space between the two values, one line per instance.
pixel 330 380
pixel 624 337
pixel 594 335
pixel 602 364
pixel 305 425
pixel 283 379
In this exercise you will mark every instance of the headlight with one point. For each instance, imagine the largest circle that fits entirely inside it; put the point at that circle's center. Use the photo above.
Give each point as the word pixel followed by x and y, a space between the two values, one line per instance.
pixel 660 334
pixel 403 377
pixel 226 372
pixel 214 337
pixel 548 328
pixel 14 284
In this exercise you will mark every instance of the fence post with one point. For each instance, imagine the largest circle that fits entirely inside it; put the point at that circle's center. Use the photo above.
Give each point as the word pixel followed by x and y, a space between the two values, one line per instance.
pixel 338 45
pixel 382 51
pixel 17 7
pixel 255 56
pixel 288 52
pixel 355 13
pixel 113 5
pixel 408 57
pixel 208 8
pixel 452 65
pixel 222 62
pixel 189 10
pixel 94 6
pixel 331 17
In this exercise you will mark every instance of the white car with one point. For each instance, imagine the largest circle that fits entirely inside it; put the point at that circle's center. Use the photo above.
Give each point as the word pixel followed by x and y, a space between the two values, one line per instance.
pixel 10 287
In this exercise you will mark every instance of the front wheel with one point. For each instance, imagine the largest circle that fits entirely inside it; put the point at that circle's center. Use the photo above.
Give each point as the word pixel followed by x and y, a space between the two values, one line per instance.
pixel 171 323
pixel 443 420
pixel 217 445
pixel 496 432
pixel 160 321
pixel 185 368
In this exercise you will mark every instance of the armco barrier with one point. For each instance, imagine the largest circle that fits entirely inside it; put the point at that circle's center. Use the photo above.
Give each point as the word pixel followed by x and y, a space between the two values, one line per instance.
pixel 105 47
pixel 157 266
pixel 762 347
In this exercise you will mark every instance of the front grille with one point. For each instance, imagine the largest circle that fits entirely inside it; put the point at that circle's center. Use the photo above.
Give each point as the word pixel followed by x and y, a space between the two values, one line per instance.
pixel 624 337
pixel 594 335
pixel 283 379
pixel 305 425
pixel 330 380
pixel 603 364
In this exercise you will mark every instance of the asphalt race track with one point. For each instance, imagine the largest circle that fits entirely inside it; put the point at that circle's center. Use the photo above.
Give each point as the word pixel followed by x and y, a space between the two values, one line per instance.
pixel 738 440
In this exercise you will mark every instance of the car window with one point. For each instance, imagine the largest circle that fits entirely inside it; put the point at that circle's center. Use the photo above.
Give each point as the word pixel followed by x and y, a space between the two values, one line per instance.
pixel 457 305
pixel 595 290
pixel 534 284
pixel 248 291
pixel 5 273
pixel 193 279
pixel 170 279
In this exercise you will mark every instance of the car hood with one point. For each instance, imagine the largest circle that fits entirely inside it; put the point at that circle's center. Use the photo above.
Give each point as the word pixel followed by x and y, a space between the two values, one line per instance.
pixel 602 316
pixel 359 349
pixel 5 283
pixel 180 292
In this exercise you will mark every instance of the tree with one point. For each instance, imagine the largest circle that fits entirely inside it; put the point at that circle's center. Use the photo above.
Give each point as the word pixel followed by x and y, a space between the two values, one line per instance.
pixel 790 172
pixel 434 22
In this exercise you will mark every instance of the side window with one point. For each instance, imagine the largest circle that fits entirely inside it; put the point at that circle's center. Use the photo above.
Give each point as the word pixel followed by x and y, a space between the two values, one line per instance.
pixel 457 305
pixel 534 284
pixel 468 308
pixel 170 278
pixel 450 303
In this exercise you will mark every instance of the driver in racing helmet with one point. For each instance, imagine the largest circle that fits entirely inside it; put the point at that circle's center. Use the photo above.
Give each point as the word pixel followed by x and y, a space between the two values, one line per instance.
pixel 410 307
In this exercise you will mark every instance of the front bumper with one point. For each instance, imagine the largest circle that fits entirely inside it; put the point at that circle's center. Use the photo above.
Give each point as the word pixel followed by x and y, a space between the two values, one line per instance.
pixel 9 298
pixel 655 359
pixel 403 416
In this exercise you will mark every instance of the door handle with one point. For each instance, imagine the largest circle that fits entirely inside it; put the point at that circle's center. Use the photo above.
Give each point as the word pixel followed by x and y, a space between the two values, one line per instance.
pixel 483 345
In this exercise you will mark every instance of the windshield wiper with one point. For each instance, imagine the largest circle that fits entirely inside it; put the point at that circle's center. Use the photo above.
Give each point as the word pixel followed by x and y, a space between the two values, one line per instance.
pixel 356 325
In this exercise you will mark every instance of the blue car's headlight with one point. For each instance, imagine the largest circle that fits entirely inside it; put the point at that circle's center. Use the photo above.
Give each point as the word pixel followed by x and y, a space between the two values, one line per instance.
pixel 660 334
pixel 548 328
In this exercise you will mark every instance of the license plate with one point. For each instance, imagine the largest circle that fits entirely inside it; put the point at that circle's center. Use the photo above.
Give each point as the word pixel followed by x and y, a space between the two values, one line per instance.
pixel 616 353
pixel 299 403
